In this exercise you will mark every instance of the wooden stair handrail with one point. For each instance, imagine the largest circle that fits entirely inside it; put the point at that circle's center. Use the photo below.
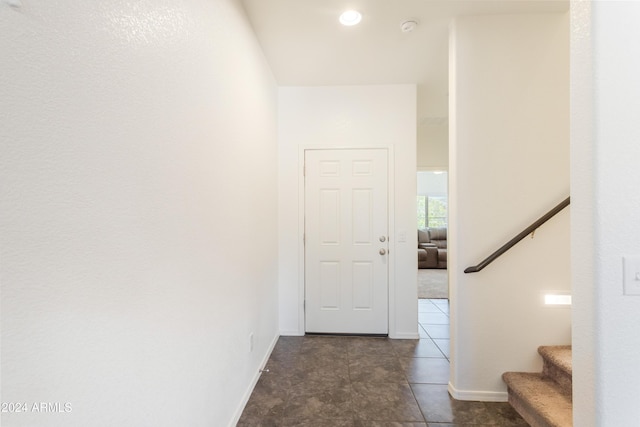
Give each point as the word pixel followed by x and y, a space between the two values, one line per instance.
pixel 511 243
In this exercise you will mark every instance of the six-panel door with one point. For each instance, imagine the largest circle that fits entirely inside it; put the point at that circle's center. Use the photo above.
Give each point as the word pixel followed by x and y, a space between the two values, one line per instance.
pixel 346 241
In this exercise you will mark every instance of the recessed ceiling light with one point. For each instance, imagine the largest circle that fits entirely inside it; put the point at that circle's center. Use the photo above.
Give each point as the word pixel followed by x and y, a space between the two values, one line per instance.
pixel 350 17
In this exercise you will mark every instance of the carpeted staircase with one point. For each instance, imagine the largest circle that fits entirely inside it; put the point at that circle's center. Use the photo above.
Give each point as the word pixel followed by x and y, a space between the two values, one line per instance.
pixel 544 399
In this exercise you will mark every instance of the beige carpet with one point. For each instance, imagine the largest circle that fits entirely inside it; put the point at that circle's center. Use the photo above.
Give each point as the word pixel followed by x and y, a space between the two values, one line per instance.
pixel 433 283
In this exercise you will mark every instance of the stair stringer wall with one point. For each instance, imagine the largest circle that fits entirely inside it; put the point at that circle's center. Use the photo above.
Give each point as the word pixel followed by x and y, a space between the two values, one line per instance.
pixel 509 164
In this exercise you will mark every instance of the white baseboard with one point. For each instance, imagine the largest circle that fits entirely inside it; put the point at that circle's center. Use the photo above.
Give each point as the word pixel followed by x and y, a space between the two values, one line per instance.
pixel 291 333
pixel 397 336
pixel 405 336
pixel 474 395
pixel 247 394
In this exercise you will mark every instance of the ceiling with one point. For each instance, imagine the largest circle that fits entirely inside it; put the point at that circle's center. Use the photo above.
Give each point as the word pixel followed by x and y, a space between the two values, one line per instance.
pixel 306 45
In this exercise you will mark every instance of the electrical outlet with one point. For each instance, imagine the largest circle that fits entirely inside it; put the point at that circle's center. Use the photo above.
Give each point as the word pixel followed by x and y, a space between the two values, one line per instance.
pixel 251 342
pixel 631 274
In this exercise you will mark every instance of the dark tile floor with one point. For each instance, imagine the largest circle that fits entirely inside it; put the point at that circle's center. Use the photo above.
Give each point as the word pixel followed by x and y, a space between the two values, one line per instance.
pixel 323 381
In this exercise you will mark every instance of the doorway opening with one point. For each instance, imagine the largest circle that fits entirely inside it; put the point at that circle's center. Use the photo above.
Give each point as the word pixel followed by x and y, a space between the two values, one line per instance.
pixel 432 220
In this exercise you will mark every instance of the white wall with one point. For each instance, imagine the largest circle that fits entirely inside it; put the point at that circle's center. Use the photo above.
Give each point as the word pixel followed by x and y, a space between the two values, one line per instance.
pixel 138 223
pixel 582 222
pixel 604 182
pixel 348 116
pixel 509 164
pixel 433 146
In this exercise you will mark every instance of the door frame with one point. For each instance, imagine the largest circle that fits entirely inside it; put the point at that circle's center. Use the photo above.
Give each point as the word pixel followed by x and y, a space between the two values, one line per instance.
pixel 391 313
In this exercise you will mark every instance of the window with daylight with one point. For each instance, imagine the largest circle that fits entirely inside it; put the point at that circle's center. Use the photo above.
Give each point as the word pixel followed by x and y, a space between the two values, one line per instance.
pixel 432 211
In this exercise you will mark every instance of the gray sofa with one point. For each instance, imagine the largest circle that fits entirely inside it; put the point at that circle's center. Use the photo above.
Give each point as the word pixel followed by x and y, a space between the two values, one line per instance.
pixel 432 248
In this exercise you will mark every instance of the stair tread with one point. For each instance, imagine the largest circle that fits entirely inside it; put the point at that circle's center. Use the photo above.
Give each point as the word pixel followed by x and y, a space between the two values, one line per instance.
pixel 559 355
pixel 543 395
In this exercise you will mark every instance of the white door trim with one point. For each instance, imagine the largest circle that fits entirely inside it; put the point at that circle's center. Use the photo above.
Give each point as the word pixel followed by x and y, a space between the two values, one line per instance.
pixel 391 219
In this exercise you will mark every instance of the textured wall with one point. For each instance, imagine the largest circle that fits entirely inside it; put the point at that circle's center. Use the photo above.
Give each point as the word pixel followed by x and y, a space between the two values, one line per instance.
pixel 509 165
pixel 606 138
pixel 606 205
pixel 138 211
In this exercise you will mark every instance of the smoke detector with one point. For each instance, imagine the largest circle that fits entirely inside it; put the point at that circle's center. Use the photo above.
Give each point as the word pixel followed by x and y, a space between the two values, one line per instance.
pixel 408 25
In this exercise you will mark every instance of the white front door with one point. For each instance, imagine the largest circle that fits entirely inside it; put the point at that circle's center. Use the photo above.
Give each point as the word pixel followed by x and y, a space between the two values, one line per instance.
pixel 346 241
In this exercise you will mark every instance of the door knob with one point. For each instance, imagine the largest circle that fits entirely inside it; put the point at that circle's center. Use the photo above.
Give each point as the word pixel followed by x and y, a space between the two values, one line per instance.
pixel 382 252
pixel 383 238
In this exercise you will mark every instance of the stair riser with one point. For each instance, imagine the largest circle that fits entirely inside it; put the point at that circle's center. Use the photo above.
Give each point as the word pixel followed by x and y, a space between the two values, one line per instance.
pixel 544 399
pixel 561 377
pixel 525 411
pixel 539 400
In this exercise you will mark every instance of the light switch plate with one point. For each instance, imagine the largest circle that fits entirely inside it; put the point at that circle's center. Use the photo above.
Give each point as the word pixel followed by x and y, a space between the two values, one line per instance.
pixel 631 274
